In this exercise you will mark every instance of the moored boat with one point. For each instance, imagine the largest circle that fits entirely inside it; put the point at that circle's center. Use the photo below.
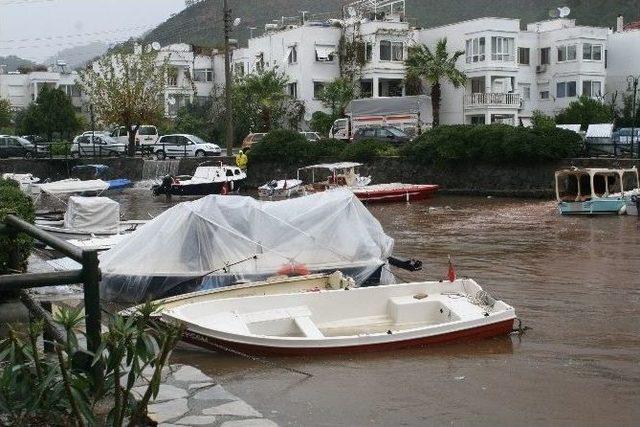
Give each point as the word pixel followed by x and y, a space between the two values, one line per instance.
pixel 344 174
pixel 281 189
pixel 596 191
pixel 205 180
pixel 25 180
pixel 348 320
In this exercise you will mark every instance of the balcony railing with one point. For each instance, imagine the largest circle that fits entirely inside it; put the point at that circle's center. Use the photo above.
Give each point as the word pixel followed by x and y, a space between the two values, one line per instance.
pixel 496 99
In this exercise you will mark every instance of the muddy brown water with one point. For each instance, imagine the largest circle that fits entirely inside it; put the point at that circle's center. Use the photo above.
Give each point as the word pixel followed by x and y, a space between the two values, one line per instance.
pixel 574 281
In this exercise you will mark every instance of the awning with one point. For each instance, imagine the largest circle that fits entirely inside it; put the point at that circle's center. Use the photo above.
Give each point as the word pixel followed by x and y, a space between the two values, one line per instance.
pixel 575 128
pixel 526 122
pixel 323 53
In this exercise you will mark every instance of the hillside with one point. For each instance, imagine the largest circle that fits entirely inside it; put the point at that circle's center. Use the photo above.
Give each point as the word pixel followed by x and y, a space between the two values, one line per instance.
pixel 77 56
pixel 12 63
pixel 201 24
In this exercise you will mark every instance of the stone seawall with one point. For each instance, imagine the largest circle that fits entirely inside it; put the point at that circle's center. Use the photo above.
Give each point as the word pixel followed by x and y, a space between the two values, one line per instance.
pixel 478 179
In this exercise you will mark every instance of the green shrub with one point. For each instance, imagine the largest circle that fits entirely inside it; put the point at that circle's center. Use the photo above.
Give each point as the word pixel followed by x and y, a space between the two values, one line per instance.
pixel 13 200
pixel 321 122
pixel 368 149
pixel 60 148
pixel 281 146
pixel 495 144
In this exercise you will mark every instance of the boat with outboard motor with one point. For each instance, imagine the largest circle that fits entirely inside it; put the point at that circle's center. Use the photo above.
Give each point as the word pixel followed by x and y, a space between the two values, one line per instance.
pixel 220 179
pixel 281 189
pixel 344 174
pixel 385 317
pixel 597 191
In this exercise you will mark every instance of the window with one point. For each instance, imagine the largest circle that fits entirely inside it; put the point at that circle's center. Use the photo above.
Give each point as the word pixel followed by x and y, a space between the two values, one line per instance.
pixel 238 69
pixel 567 53
pixel 318 87
pixel 325 53
pixel 292 90
pixel 592 52
pixel 545 56
pixel 203 75
pixel 292 57
pixel 385 50
pixel 475 50
pixel 544 94
pixel 502 49
pixel 260 62
pixel 368 51
pixel 565 89
pixel 525 91
pixel 523 56
pixel 391 51
pixel 592 89
pixel 397 51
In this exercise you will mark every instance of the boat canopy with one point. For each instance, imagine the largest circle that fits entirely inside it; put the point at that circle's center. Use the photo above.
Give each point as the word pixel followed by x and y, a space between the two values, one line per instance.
pixel 333 166
pixel 92 214
pixel 73 186
pixel 582 184
pixel 230 239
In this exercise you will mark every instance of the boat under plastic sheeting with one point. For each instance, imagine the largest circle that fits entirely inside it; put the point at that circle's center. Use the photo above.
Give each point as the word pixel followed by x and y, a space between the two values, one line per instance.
pixel 26 180
pixel 72 186
pixel 347 320
pixel 218 241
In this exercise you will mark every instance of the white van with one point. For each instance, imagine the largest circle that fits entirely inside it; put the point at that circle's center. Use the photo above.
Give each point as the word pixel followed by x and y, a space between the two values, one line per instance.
pixel 147 135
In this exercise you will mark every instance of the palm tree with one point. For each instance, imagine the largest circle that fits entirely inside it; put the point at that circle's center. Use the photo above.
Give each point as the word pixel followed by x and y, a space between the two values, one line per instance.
pixel 436 68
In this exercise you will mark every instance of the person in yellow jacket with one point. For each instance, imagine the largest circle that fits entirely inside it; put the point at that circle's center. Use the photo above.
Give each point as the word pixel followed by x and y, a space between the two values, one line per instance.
pixel 242 160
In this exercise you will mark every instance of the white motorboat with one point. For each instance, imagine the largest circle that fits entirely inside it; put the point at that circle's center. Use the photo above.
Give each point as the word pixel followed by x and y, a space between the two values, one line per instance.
pixel 281 189
pixel 87 218
pixel 273 286
pixel 347 320
pixel 206 180
pixel 26 180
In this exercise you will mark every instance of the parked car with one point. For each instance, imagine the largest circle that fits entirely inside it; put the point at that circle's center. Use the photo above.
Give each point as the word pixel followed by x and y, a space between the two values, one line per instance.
pixel 146 135
pixel 42 145
pixel 15 146
pixel 389 134
pixel 96 145
pixel 183 145
pixel 97 132
pixel 311 136
pixel 251 139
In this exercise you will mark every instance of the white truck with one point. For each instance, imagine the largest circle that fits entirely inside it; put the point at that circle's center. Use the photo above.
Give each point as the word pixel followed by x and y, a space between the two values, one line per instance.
pixel 412 114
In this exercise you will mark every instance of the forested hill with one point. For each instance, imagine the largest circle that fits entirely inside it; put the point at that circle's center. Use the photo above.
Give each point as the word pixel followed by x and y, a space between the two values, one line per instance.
pixel 201 24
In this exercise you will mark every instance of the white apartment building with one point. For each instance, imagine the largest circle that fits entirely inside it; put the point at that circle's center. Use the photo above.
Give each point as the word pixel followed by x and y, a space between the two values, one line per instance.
pixel 22 89
pixel 623 57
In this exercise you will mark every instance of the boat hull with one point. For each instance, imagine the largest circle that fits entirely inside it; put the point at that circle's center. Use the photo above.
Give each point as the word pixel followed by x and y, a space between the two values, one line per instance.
pixel 503 327
pixel 592 207
pixel 395 193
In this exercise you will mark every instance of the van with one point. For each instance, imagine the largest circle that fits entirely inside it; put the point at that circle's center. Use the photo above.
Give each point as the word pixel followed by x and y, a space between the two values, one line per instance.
pixel 146 135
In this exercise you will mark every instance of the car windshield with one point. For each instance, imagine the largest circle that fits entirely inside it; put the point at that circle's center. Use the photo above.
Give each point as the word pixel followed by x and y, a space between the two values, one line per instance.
pixel 147 130
pixel 397 132
pixel 311 136
pixel 24 141
pixel 197 140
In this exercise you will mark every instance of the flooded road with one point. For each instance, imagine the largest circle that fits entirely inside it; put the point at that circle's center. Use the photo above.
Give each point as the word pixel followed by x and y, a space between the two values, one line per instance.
pixel 574 281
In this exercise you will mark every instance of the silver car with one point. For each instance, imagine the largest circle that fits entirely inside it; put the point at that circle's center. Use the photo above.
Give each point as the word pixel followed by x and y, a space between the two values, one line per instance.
pixel 97 145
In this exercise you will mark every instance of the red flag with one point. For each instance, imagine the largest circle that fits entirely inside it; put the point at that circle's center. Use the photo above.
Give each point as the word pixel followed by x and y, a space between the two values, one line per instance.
pixel 451 275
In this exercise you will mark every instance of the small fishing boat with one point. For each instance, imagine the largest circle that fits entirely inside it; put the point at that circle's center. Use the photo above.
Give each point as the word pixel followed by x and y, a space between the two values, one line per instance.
pixel 87 218
pixel 281 189
pixel 344 174
pixel 26 180
pixel 273 286
pixel 596 191
pixel 347 320
pixel 206 180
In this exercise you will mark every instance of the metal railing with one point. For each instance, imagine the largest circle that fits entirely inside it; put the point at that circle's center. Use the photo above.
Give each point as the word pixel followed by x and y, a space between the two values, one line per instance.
pixel 498 99
pixel 89 275
pixel 614 148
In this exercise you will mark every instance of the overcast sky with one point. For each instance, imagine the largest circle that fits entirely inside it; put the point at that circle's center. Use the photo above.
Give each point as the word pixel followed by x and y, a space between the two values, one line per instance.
pixel 37 29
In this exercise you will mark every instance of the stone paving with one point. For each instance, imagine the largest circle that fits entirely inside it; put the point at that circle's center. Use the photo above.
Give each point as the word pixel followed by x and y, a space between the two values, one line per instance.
pixel 188 397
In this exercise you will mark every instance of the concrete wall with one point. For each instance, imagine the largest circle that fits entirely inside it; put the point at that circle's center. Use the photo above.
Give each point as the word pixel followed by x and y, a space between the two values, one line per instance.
pixel 518 181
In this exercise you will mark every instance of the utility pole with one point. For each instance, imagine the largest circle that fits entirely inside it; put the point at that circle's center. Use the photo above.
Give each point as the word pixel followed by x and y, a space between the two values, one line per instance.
pixel 633 87
pixel 228 87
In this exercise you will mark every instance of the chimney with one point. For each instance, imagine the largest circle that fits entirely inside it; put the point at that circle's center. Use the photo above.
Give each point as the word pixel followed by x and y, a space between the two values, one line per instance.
pixel 620 24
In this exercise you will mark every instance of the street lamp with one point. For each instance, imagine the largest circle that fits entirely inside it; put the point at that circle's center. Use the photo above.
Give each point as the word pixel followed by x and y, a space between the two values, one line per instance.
pixel 632 86
pixel 228 83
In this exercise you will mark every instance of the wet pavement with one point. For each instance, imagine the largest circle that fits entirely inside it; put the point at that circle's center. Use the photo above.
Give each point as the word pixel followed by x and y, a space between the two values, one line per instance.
pixel 575 281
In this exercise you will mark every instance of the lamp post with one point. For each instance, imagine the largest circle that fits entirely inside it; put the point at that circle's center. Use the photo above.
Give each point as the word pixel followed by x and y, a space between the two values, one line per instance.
pixel 632 85
pixel 228 84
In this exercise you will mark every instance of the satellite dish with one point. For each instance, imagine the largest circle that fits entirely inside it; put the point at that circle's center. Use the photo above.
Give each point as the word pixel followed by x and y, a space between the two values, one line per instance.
pixel 237 22
pixel 351 11
pixel 155 46
pixel 148 48
pixel 171 100
pixel 564 11
pixel 554 13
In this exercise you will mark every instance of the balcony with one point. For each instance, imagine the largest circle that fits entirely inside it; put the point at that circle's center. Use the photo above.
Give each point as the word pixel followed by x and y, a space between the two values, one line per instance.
pixel 513 100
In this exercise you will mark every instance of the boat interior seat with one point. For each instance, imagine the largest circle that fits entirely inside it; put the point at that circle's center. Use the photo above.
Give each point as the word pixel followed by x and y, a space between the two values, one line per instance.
pixel 293 321
pixel 429 310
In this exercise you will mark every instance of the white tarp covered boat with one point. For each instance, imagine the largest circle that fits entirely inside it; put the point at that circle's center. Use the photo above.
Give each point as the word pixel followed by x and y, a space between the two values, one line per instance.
pixel 73 186
pixel 218 241
pixel 340 321
pixel 89 217
pixel 26 180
